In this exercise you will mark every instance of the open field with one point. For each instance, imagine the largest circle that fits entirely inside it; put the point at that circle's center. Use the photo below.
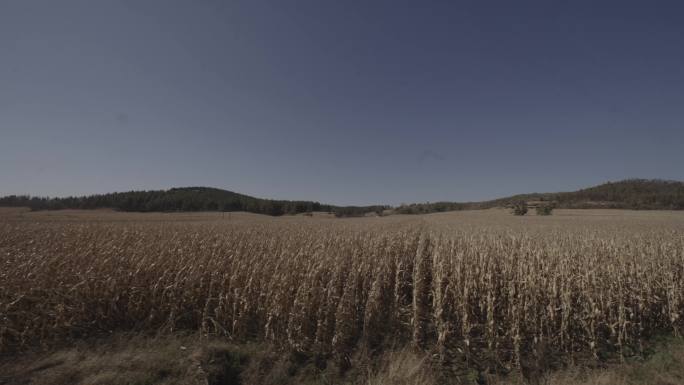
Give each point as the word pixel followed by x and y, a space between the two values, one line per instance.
pixel 480 291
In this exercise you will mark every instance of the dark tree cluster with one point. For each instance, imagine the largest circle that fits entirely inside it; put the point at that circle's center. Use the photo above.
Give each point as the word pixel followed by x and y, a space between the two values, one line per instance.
pixel 434 207
pixel 358 211
pixel 181 199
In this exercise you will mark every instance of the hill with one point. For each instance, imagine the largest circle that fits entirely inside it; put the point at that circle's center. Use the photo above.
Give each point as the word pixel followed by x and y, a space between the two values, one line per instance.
pixel 640 194
pixel 183 199
pixel 637 194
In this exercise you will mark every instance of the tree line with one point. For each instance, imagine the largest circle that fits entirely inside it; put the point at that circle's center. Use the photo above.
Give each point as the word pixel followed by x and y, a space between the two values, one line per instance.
pixel 635 194
pixel 639 194
pixel 184 199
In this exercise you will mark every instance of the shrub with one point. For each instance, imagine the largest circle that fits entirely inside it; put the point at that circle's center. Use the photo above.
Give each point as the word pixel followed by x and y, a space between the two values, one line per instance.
pixel 544 209
pixel 520 208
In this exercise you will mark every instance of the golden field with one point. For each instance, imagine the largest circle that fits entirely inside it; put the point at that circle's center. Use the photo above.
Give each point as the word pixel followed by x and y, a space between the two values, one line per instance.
pixel 478 289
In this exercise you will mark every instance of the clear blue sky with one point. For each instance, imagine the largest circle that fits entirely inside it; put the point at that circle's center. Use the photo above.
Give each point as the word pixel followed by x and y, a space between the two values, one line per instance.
pixel 346 102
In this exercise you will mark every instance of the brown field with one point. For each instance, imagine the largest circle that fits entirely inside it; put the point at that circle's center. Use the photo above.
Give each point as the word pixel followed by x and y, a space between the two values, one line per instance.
pixel 475 289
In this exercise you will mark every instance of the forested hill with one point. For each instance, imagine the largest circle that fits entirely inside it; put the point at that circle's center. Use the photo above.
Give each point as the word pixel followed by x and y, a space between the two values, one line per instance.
pixel 628 194
pixel 639 194
pixel 183 199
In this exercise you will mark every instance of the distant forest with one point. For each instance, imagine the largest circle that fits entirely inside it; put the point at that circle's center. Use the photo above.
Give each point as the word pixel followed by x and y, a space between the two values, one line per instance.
pixel 635 194
pixel 639 194
pixel 184 199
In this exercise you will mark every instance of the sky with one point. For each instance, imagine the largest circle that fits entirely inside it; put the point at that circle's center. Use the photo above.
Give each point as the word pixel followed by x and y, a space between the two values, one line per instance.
pixel 342 102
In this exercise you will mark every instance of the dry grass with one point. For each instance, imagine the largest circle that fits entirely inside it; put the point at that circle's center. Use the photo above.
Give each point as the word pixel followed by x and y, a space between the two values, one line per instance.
pixel 664 367
pixel 481 290
pixel 124 359
pixel 127 359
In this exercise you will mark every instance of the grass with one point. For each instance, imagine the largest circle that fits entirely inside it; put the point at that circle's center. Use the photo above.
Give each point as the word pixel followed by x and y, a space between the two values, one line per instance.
pixel 663 366
pixel 192 359
pixel 124 360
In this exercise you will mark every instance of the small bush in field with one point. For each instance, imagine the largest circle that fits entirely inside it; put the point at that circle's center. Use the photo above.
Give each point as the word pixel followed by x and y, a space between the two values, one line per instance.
pixel 520 208
pixel 545 209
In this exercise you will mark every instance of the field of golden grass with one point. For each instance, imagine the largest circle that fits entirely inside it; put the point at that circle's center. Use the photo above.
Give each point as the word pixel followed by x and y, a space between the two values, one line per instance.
pixel 475 290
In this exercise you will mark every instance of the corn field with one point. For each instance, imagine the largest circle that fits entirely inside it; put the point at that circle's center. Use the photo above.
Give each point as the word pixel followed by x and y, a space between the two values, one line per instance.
pixel 479 287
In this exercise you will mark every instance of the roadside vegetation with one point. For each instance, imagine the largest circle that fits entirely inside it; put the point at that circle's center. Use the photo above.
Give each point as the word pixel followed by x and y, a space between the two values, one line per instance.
pixel 191 359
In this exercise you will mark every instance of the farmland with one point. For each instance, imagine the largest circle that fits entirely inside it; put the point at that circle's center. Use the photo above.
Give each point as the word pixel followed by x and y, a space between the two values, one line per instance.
pixel 473 289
